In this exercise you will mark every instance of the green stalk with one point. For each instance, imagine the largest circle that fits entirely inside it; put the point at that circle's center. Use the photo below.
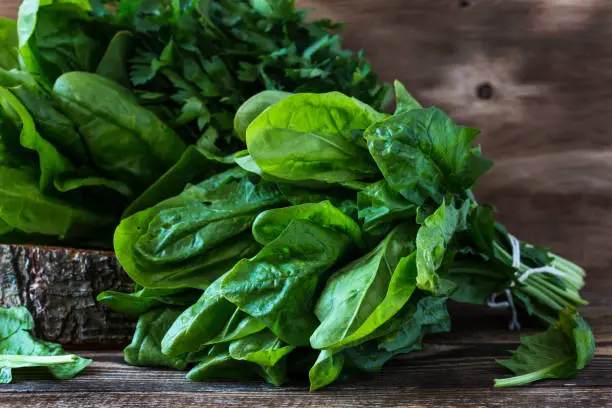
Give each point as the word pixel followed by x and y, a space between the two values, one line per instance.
pixel 540 374
pixel 41 360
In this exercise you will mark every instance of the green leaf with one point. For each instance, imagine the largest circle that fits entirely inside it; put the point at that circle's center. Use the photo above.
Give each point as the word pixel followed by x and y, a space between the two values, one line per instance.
pixel 219 364
pixel 138 303
pixel 423 154
pixel 254 107
pixel 59 36
pixel 114 63
pixel 192 167
pixel 313 137
pixel 10 44
pixel 381 207
pixel 433 240
pixel 262 348
pixel 365 294
pixel 124 139
pixel 564 349
pixel 18 349
pixel 403 100
pixel 270 224
pixel 278 285
pixel 192 239
pixel 199 323
pixel 326 369
pixel 145 348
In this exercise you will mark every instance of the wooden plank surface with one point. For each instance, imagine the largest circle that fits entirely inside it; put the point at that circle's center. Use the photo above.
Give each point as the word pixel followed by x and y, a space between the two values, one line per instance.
pixel 454 370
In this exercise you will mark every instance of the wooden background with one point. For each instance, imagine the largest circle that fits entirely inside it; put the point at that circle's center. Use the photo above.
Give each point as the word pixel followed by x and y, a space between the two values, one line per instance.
pixel 536 77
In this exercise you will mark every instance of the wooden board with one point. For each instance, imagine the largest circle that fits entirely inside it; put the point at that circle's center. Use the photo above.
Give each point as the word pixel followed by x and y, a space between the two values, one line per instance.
pixel 454 370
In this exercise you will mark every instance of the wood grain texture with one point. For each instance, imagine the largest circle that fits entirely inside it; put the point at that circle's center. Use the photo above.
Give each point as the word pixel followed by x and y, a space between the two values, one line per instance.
pixel 453 371
pixel 59 287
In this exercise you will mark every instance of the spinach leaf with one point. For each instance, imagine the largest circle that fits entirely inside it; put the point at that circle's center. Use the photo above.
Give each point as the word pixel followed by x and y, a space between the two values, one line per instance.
pixel 192 239
pixel 219 364
pixel 125 140
pixel 271 223
pixel 403 100
pixel 423 154
pixel 366 293
pixel 278 285
pixel 433 240
pixel 564 349
pixel 426 316
pixel 255 106
pixel 198 324
pixel 313 137
pixel 114 63
pixel 326 369
pixel 145 348
pixel 381 207
pixel 8 38
pixel 262 348
pixel 192 167
pixel 19 349
pixel 138 303
pixel 59 36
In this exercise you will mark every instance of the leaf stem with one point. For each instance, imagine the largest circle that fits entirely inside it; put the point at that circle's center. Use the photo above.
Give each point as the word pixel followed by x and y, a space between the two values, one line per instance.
pixel 540 374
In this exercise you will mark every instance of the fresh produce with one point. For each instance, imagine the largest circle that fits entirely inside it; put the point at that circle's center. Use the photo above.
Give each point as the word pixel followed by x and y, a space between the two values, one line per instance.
pixel 276 220
pixel 18 349
pixel 330 245
pixel 97 102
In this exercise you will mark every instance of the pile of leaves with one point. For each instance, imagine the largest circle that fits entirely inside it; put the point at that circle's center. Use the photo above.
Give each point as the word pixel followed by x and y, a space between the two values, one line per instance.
pixel 291 232
pixel 96 105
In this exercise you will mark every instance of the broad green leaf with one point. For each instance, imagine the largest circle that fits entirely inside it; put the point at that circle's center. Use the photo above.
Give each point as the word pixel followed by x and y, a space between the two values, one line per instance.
pixel 278 285
pixel 124 139
pixel 219 364
pixel 262 348
pixel 238 326
pixel 403 100
pixel 423 154
pixel 199 323
pixel 564 349
pixel 59 36
pixel 365 294
pixel 326 369
pixel 192 239
pixel 433 240
pixel 254 107
pixel 138 303
pixel 271 223
pixel 313 137
pixel 114 63
pixel 192 167
pixel 10 44
pixel 18 349
pixel 381 207
pixel 145 348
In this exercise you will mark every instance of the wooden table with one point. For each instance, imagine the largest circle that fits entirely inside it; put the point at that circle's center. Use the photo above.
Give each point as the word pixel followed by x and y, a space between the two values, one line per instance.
pixel 536 76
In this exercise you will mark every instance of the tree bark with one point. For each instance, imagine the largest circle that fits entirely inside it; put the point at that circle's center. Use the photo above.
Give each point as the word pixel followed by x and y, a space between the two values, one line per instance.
pixel 59 286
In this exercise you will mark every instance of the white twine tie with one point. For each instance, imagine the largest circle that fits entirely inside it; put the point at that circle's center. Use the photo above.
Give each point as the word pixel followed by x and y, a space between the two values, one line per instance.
pixel 521 278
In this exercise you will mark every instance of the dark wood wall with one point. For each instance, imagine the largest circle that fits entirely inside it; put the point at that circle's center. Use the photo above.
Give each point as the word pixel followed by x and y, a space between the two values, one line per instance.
pixel 536 77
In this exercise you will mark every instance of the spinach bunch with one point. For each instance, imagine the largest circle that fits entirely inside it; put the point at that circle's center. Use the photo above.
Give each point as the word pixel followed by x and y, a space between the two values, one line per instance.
pixel 332 243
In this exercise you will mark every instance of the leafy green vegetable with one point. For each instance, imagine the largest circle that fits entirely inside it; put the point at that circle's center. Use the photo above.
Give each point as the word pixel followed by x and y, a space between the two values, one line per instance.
pixel 192 239
pixel 423 154
pixel 432 242
pixel 278 285
pixel 366 293
pixel 255 106
pixel 124 139
pixel 313 137
pixel 326 369
pixel 8 38
pixel 145 348
pixel 144 300
pixel 564 349
pixel 18 349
